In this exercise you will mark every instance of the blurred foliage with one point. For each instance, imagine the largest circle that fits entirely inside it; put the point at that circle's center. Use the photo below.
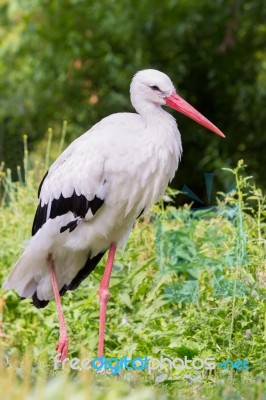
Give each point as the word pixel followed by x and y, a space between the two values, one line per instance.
pixel 74 60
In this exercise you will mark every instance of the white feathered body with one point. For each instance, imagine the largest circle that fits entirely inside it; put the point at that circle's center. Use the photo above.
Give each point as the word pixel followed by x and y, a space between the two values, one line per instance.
pixel 127 161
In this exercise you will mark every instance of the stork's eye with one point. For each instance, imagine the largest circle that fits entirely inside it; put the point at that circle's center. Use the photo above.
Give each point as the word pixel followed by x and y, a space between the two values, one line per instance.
pixel 155 88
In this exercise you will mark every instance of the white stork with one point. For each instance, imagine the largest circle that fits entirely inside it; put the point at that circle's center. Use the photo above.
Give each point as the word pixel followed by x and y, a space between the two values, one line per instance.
pixel 93 193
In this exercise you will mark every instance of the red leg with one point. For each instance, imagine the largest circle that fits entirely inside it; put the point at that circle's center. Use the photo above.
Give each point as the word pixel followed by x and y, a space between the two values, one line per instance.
pixel 62 345
pixel 104 296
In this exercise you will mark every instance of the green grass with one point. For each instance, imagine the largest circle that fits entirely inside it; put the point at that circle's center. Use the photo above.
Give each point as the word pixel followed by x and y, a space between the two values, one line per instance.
pixel 189 283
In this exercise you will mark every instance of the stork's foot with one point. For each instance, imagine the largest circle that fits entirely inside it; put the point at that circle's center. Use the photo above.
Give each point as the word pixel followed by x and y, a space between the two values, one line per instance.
pixel 62 347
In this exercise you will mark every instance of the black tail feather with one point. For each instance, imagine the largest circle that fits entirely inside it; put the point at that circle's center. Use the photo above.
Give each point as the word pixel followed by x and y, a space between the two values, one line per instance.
pixel 39 303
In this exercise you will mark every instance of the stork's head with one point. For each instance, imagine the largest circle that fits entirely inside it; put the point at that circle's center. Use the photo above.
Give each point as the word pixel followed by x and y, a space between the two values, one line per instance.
pixel 154 87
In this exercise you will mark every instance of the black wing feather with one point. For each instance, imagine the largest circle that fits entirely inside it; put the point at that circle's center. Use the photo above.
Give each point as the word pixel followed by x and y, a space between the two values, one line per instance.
pixel 40 186
pixel 77 204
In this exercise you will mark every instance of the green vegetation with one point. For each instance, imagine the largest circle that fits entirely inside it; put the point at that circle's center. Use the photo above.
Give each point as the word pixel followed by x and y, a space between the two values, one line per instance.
pixel 145 315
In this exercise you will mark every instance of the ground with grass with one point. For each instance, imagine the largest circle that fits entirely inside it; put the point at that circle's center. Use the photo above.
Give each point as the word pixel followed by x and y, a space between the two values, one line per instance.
pixel 190 283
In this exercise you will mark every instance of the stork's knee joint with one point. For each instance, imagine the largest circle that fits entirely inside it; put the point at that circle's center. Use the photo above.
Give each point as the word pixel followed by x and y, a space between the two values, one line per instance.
pixel 104 295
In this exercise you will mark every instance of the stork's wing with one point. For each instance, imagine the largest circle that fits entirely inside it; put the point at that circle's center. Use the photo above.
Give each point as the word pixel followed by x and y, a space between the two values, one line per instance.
pixel 75 183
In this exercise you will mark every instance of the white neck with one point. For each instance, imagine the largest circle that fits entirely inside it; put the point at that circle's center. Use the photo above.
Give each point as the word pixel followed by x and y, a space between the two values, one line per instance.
pixel 159 122
pixel 149 111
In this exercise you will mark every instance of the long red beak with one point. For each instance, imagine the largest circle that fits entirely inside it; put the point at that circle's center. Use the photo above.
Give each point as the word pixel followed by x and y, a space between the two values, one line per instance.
pixel 177 103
